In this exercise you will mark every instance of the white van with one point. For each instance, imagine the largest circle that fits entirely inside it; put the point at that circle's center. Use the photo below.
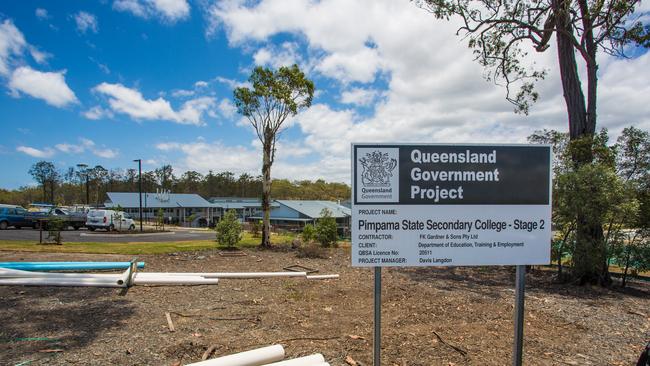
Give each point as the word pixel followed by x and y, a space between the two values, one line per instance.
pixel 109 220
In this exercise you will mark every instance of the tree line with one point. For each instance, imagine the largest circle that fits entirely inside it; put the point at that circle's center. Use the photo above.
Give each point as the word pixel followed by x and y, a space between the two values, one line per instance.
pixel 70 186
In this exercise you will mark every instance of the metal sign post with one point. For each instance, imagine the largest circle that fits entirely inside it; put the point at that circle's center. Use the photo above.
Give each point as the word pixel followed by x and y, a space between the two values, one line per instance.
pixel 518 346
pixel 376 340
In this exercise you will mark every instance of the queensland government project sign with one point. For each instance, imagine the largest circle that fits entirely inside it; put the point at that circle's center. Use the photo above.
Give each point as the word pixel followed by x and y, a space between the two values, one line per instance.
pixel 450 205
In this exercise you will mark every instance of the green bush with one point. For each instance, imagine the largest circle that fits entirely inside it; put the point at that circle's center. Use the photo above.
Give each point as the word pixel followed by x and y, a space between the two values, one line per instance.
pixel 308 233
pixel 229 230
pixel 54 227
pixel 160 219
pixel 256 228
pixel 326 229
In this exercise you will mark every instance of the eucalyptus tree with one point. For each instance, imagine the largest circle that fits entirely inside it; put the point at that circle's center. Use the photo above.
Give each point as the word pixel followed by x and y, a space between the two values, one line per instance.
pixel 503 32
pixel 44 173
pixel 275 95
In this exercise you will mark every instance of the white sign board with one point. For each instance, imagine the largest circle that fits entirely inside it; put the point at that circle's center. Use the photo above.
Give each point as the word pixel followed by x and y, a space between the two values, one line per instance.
pixel 450 205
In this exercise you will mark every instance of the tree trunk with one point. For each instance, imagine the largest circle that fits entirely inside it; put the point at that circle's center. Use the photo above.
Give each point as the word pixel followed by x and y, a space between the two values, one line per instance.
pixel 44 193
pixel 589 254
pixel 52 192
pixel 266 194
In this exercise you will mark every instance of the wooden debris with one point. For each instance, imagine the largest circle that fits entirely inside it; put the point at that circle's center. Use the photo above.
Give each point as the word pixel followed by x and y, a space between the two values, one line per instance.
pixel 457 349
pixel 350 361
pixel 51 350
pixel 208 352
pixel 355 336
pixel 169 322
pixel 299 268
pixel 232 254
pixel 307 339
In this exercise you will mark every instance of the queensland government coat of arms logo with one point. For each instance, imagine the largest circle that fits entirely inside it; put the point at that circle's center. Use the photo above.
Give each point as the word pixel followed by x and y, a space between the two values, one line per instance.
pixel 377 169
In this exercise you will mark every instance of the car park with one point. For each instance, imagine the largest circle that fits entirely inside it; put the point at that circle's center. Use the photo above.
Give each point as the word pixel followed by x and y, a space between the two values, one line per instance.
pixel 109 220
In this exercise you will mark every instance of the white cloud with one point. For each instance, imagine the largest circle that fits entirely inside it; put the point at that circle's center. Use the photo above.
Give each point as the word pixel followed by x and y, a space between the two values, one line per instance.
pixel 131 102
pixel 87 145
pixel 85 22
pixel 359 96
pixel 285 55
pixel 41 13
pixel 361 65
pixel 232 84
pixel 38 55
pixel 339 27
pixel 43 153
pixel 12 44
pixel 182 93
pixel 103 67
pixel 201 84
pixel 168 10
pixel 192 111
pixel 97 112
pixel 69 148
pixel 49 86
pixel 227 108
pixel 202 157
pixel 106 153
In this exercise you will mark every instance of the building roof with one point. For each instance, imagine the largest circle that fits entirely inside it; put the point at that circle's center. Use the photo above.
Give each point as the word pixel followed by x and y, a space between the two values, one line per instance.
pixel 313 209
pixel 237 203
pixel 156 200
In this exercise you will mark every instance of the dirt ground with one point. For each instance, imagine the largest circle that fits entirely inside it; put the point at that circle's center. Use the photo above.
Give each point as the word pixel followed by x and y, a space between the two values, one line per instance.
pixel 445 316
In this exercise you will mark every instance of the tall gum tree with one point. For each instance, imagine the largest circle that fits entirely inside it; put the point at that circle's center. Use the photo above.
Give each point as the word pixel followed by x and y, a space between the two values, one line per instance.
pixel 275 95
pixel 501 32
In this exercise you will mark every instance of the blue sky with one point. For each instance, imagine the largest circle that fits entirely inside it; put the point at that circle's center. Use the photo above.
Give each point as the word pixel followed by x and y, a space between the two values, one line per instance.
pixel 110 81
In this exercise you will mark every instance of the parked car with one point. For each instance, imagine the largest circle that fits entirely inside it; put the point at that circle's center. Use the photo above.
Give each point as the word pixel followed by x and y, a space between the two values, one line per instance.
pixel 70 219
pixel 109 220
pixel 16 216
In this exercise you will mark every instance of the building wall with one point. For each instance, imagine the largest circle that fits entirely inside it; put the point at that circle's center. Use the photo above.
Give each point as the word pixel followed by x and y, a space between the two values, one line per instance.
pixel 284 211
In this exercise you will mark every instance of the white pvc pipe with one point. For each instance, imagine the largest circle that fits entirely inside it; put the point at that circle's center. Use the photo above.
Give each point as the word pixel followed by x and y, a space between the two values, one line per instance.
pixel 254 357
pixel 119 279
pixel 311 360
pixel 229 274
pixel 323 277
pixel 80 282
pixel 173 280
pixel 18 273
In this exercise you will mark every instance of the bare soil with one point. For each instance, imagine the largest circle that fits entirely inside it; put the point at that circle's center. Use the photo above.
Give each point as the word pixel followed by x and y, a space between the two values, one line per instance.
pixel 431 316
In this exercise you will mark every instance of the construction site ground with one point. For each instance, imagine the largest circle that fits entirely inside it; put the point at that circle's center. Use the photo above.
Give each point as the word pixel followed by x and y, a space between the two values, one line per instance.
pixel 431 316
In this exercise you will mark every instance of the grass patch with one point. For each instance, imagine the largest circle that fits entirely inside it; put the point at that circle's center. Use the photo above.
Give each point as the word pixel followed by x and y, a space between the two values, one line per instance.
pixel 132 248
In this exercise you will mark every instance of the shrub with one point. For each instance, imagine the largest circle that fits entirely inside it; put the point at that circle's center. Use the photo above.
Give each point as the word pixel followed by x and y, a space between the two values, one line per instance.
pixel 326 229
pixel 311 250
pixel 256 227
pixel 54 226
pixel 160 219
pixel 229 230
pixel 308 233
